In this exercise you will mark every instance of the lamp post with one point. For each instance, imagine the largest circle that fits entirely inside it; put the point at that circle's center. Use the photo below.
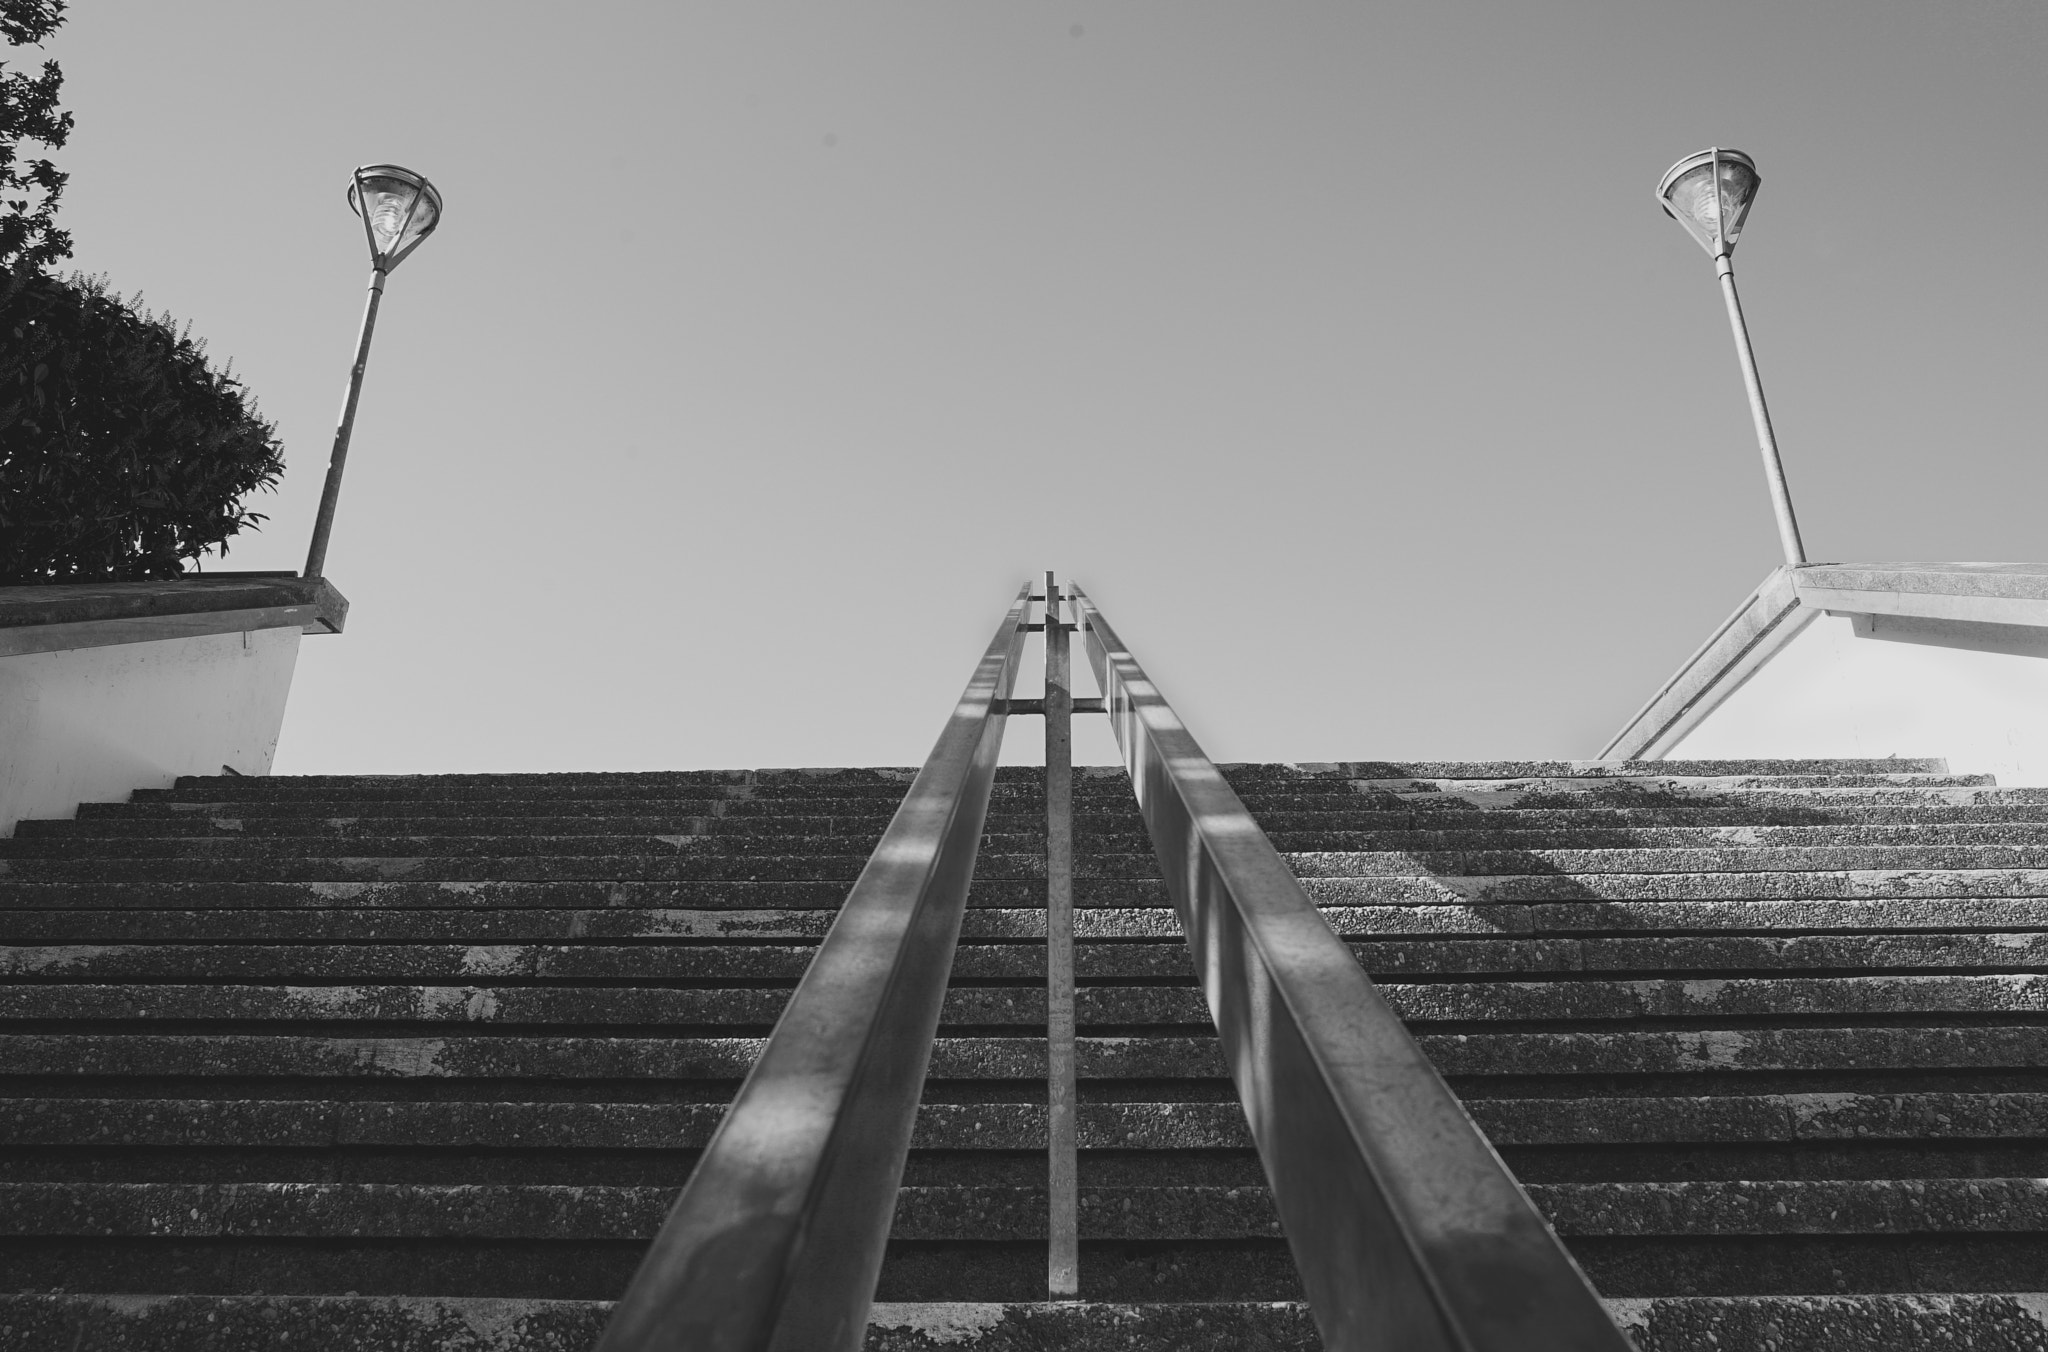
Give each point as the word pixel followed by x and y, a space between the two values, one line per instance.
pixel 399 210
pixel 1710 194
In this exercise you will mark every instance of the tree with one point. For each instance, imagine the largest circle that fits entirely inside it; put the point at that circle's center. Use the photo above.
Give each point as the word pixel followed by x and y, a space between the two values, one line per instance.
pixel 31 189
pixel 123 453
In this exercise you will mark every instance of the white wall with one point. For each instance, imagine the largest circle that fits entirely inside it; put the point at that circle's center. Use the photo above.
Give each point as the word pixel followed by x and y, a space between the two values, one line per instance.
pixel 1833 693
pixel 93 724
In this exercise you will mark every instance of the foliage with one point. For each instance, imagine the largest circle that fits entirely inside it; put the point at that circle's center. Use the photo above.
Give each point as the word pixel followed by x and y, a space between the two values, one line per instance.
pixel 30 190
pixel 123 453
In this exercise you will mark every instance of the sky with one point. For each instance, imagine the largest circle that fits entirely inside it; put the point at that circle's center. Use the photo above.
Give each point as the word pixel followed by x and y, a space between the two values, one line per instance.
pixel 1339 350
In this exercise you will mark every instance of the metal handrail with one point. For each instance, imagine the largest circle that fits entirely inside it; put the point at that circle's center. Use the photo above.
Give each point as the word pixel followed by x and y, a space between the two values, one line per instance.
pixel 1407 1229
pixel 777 1239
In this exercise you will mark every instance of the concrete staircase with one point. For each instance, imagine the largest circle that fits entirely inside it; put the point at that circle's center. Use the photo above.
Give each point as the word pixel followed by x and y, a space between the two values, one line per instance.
pixel 411 1063
pixel 1766 1042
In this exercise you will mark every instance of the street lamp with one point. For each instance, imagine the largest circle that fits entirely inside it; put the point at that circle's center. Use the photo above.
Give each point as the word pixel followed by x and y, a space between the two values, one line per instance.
pixel 1710 194
pixel 399 210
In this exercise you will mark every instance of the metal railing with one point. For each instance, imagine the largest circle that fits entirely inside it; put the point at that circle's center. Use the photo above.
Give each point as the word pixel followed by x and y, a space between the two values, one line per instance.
pixel 1407 1229
pixel 777 1240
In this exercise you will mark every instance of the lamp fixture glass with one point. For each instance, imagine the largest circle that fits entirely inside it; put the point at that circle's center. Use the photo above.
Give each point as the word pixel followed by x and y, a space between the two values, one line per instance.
pixel 1710 195
pixel 399 209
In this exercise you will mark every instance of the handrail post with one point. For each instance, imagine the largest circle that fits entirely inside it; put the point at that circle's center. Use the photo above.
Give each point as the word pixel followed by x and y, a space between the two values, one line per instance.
pixel 1063 1246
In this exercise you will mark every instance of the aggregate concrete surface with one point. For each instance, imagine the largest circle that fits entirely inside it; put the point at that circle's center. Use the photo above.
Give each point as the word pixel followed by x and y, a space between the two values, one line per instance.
pixel 404 1063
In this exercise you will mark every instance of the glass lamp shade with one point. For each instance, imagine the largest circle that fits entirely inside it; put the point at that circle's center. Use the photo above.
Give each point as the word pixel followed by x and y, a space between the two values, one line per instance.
pixel 1709 194
pixel 399 210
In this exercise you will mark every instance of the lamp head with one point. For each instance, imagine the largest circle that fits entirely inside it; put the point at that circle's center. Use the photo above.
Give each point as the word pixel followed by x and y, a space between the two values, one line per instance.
pixel 1709 194
pixel 399 210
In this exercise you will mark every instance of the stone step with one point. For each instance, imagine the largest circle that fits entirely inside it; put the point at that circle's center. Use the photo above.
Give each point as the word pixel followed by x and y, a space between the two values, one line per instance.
pixel 456 1054
pixel 529 925
pixel 1460 816
pixel 396 897
pixel 186 1323
pixel 1496 1001
pixel 1088 781
pixel 187 824
pixel 1729 859
pixel 1656 838
pixel 421 866
pixel 704 835
pixel 329 1124
pixel 1796 1206
pixel 372 788
pixel 749 813
pixel 1548 866
pixel 966 1214
pixel 2002 952
pixel 1839 1323
pixel 1584 788
pixel 231 847
pixel 1424 805
pixel 1339 796
pixel 1092 817
pixel 1245 771
pixel 1419 888
pixel 1099 917
pixel 168 1211
pixel 1018 777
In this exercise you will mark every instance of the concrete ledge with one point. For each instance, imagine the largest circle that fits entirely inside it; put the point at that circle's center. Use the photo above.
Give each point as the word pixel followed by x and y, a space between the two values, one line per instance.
pixel 67 616
pixel 110 687
pixel 1768 619
pixel 1981 607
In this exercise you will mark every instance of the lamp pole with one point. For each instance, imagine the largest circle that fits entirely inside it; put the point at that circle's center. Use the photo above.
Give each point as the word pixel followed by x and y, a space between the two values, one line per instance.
pixel 1710 195
pixel 1766 439
pixel 323 524
pixel 399 209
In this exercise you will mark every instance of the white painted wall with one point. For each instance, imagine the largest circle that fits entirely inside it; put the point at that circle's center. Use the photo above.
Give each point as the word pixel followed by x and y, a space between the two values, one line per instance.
pixel 1833 693
pixel 93 724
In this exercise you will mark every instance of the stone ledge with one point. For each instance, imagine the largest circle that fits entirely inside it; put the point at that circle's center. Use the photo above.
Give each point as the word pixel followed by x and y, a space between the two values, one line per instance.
pixel 62 616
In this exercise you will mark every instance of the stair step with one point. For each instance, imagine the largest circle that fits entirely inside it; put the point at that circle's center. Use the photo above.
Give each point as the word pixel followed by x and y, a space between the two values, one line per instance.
pixel 255 865
pixel 398 895
pixel 639 1126
pixel 1734 859
pixel 1746 885
pixel 731 827
pixel 518 1056
pixel 2006 952
pixel 691 866
pixel 768 850
pixel 1861 1323
pixel 368 925
pixel 1580 1000
pixel 1252 771
pixel 1864 1323
pixel 1938 919
pixel 710 836
pixel 599 1212
pixel 975 1213
pixel 963 1214
pixel 1285 816
pixel 482 1324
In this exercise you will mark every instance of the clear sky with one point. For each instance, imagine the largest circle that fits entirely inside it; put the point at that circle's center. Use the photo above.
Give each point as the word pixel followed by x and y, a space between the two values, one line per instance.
pixel 1339 349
